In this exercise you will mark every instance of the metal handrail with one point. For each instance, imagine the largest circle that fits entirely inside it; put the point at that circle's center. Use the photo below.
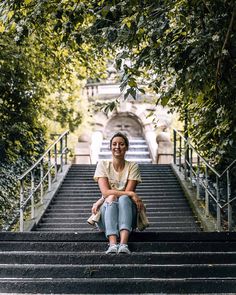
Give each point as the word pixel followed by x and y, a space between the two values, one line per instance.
pixel 203 160
pixel 45 153
pixel 44 171
pixel 191 170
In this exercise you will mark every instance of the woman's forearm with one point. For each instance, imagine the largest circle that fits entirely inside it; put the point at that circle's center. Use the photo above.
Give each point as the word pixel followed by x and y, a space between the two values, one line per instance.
pixel 117 193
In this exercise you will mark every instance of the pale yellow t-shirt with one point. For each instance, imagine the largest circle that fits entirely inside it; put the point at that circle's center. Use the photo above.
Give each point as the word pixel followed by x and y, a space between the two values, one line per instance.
pixel 117 180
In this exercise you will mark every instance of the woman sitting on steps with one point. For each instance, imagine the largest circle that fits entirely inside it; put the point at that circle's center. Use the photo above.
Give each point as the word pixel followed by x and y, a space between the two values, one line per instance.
pixel 117 180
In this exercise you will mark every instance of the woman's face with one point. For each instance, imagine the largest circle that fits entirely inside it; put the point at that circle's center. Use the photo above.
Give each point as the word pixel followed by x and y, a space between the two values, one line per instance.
pixel 118 147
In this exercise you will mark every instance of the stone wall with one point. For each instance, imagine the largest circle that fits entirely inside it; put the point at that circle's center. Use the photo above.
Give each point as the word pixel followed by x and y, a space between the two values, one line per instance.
pixel 136 118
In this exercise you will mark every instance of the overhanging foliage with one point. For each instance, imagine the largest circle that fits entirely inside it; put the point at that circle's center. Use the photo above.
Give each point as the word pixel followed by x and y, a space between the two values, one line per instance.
pixel 184 50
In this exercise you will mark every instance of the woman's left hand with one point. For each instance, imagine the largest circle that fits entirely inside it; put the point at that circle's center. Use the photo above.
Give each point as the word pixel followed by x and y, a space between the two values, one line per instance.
pixel 138 202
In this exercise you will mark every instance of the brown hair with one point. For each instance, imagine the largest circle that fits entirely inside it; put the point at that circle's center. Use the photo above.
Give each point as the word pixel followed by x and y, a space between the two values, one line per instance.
pixel 120 134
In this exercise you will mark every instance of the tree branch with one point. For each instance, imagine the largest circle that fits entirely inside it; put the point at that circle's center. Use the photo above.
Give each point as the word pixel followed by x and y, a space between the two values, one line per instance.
pixel 218 75
pixel 207 7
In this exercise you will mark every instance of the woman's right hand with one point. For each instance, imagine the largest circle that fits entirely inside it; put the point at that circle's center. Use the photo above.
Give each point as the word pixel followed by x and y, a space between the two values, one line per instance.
pixel 95 208
pixel 97 205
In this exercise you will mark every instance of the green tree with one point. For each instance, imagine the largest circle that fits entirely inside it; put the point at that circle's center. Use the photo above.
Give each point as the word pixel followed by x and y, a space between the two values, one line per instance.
pixel 21 134
pixel 184 50
pixel 34 63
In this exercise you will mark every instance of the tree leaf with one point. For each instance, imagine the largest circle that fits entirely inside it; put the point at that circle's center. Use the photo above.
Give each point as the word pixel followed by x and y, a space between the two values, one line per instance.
pixel 132 82
pixel 141 90
pixel 10 14
pixel 2 27
pixel 27 1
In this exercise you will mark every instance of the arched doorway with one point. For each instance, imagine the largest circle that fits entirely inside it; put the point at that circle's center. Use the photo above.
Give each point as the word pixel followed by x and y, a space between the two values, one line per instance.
pixel 125 122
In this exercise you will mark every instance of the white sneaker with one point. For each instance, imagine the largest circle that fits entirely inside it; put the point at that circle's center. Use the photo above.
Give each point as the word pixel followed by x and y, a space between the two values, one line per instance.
pixel 112 249
pixel 123 248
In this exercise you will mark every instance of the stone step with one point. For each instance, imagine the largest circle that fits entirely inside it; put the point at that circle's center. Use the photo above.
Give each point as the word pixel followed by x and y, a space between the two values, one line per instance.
pixel 129 154
pixel 87 206
pixel 124 285
pixel 91 197
pixel 148 201
pixel 149 179
pixel 90 167
pixel 145 182
pixel 139 189
pixel 80 223
pixel 72 229
pixel 99 246
pixel 146 185
pixel 157 202
pixel 203 237
pixel 152 214
pixel 82 218
pixel 178 271
pixel 143 167
pixel 134 148
pixel 163 211
pixel 94 195
pixel 132 142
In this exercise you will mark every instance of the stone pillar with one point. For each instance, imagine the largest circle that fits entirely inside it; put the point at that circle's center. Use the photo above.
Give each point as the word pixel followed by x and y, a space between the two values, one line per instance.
pixel 165 150
pixel 82 150
pixel 150 136
pixel 97 138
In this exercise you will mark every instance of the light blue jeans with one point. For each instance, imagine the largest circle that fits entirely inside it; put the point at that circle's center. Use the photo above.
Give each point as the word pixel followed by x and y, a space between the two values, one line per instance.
pixel 118 215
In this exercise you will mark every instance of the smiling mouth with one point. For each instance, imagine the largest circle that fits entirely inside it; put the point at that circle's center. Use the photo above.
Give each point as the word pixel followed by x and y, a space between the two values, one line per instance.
pixel 117 152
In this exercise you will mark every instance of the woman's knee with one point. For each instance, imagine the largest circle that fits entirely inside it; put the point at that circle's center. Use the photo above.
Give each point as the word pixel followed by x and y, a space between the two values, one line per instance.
pixel 125 203
pixel 111 198
pixel 124 200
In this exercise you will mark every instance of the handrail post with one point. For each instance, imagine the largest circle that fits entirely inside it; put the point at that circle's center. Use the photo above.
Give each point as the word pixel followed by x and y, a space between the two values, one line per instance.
pixel 185 159
pixel 49 172
pixel 191 164
pixel 206 193
pixel 61 154
pixel 21 205
pixel 174 136
pixel 228 201
pixel 55 161
pixel 66 148
pixel 218 211
pixel 180 152
pixel 41 182
pixel 198 178
pixel 32 194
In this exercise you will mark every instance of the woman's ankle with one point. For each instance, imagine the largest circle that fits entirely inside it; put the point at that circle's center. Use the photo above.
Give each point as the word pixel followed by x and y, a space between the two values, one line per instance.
pixel 112 240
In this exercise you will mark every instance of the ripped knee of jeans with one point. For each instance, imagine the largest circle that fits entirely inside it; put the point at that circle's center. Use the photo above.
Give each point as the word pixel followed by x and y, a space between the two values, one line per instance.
pixel 111 199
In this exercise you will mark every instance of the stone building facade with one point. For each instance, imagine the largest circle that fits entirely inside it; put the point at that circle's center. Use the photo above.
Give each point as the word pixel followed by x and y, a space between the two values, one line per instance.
pixel 139 118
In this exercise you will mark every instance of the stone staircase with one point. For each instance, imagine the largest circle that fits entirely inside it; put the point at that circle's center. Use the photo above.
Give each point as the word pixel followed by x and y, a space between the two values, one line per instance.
pixel 75 263
pixel 138 151
pixel 161 192
pixel 64 255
